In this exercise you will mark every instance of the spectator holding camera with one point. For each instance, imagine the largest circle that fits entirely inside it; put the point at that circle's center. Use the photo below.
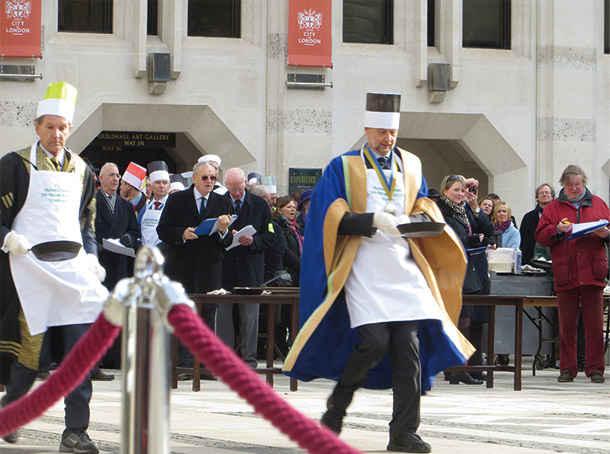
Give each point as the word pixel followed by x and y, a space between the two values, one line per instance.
pixel 458 204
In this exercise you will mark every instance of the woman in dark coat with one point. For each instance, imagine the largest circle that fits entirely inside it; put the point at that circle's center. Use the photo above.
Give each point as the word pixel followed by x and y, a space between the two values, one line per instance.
pixel 473 228
pixel 284 215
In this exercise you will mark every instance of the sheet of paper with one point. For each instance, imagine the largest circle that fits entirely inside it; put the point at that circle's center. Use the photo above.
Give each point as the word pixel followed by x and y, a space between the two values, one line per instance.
pixel 585 228
pixel 114 245
pixel 247 230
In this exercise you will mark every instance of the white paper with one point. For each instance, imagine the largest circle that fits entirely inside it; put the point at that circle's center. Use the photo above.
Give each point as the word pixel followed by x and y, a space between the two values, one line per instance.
pixel 585 228
pixel 247 230
pixel 114 245
pixel 215 226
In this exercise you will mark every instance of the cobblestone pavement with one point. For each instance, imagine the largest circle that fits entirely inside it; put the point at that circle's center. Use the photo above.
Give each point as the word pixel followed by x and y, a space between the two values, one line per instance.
pixel 545 417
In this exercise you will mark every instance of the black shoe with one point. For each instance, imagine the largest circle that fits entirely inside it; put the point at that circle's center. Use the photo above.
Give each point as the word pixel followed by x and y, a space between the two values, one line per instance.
pixel 502 360
pixel 409 442
pixel 209 377
pixel 333 420
pixel 13 436
pixel 184 377
pixel 478 375
pixel 77 441
pixel 463 377
pixel 565 376
pixel 101 376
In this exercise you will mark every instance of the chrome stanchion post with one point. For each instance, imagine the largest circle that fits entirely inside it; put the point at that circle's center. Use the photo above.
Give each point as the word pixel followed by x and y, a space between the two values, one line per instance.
pixel 141 305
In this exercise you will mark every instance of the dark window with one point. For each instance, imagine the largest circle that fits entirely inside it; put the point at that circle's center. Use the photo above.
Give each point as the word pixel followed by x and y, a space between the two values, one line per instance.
pixel 214 18
pixel 86 16
pixel 607 27
pixel 486 24
pixel 430 23
pixel 368 21
pixel 152 17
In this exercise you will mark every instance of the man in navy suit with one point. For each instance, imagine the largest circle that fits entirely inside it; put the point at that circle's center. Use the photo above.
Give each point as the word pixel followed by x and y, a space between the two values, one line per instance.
pixel 114 218
pixel 244 265
pixel 196 261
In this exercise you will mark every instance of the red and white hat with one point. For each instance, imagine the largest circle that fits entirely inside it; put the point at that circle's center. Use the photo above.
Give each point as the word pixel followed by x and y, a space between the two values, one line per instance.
pixel 135 175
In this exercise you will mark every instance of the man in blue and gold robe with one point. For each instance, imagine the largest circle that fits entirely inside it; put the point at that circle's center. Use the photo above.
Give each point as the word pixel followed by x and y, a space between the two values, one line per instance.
pixel 378 310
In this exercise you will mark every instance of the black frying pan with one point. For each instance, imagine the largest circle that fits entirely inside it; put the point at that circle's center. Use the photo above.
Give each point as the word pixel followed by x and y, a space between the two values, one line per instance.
pixel 56 251
pixel 421 229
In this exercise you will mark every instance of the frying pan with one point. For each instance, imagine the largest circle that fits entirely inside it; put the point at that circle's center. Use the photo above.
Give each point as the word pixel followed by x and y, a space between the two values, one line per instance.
pixel 253 290
pixel 56 251
pixel 248 290
pixel 420 229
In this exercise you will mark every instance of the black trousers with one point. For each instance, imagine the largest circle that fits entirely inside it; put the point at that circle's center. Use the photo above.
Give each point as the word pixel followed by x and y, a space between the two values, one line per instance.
pixel 399 339
pixel 77 402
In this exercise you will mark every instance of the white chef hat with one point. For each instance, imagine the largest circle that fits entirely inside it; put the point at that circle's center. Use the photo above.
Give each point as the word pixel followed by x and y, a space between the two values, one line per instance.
pixel 210 158
pixel 60 100
pixel 158 170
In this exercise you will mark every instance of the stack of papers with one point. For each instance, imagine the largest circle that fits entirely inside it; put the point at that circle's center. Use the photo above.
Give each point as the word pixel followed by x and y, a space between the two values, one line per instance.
pixel 247 230
pixel 114 245
pixel 585 228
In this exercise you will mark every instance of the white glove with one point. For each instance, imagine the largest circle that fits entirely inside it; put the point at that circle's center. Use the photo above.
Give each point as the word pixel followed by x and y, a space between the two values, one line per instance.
pixel 386 223
pixel 95 267
pixel 404 219
pixel 16 244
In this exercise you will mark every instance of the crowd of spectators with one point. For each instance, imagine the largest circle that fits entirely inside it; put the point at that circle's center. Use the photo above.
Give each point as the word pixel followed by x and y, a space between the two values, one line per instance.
pixel 272 254
pixel 155 208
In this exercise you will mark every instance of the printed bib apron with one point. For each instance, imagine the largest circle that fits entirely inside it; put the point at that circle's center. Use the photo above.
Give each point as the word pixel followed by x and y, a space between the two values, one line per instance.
pixel 54 293
pixel 385 284
pixel 150 221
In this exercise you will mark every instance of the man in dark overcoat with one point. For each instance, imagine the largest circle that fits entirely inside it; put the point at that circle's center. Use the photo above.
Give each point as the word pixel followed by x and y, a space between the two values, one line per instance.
pixel 196 261
pixel 244 265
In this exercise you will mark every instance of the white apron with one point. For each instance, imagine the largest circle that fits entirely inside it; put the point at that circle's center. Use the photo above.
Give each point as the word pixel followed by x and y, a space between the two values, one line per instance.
pixel 150 221
pixel 385 284
pixel 54 293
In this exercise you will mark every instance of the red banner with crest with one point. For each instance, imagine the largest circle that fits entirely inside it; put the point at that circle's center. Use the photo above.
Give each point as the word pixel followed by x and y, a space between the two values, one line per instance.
pixel 20 28
pixel 310 33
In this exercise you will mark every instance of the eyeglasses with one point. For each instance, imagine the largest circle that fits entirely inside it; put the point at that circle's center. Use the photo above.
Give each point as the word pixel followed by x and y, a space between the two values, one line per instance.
pixel 205 177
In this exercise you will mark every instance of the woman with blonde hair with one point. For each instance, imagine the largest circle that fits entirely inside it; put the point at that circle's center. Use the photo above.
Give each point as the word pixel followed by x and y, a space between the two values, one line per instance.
pixel 501 218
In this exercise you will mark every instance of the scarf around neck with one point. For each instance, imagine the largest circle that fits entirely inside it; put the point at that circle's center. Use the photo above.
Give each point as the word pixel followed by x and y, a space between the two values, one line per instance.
pixel 292 227
pixel 502 227
pixel 459 210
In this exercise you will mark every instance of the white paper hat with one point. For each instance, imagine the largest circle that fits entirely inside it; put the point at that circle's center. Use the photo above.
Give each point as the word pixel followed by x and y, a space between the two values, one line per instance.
pixel 60 100
pixel 210 157
pixel 158 170
pixel 382 111
pixel 176 182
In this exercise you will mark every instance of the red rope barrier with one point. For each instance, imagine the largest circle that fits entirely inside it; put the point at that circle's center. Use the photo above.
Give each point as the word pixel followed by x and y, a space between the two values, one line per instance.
pixel 224 363
pixel 81 359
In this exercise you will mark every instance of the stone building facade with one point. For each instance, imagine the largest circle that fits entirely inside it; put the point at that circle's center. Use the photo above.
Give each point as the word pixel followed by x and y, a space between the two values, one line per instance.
pixel 512 117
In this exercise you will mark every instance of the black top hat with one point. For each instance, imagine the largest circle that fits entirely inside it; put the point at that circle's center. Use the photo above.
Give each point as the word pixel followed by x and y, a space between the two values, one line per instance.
pixel 157 165
pixel 433 193
pixel 177 178
pixel 382 102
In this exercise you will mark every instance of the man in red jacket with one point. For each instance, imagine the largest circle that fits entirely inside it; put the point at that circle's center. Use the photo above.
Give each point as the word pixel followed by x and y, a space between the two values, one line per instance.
pixel 580 266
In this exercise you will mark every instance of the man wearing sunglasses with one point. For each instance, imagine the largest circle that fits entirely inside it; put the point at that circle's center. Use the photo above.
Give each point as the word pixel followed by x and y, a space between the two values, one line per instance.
pixel 196 260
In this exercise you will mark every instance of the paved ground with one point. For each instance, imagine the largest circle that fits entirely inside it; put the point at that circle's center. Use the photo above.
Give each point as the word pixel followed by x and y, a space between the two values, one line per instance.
pixel 545 417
